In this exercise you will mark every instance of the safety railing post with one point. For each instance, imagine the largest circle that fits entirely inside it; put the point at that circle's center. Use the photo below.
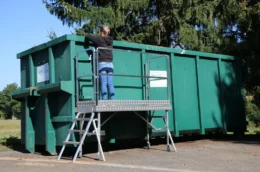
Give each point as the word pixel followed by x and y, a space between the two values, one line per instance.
pixel 77 80
pixel 97 78
pixel 96 75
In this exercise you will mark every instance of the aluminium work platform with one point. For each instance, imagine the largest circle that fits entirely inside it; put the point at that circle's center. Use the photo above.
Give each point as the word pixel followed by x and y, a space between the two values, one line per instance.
pixel 123 105
pixel 89 107
pixel 96 107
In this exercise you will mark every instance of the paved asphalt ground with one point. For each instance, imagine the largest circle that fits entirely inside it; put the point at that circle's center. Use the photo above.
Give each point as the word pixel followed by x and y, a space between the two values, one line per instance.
pixel 204 155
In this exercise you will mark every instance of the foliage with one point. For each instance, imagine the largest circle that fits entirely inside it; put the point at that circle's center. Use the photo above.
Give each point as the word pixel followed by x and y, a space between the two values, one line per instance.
pixel 219 26
pixel 253 107
pixel 151 21
pixel 9 107
pixel 253 113
pixel 256 92
pixel 2 114
pixel 52 34
pixel 199 24
pixel 230 27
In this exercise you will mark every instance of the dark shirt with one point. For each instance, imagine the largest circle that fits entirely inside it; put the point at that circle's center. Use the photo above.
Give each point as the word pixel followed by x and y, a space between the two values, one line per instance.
pixel 102 41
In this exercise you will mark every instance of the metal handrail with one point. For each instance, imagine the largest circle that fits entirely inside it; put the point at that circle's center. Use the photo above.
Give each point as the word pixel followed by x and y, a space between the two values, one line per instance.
pixel 77 75
pixel 96 73
pixel 137 76
pixel 140 52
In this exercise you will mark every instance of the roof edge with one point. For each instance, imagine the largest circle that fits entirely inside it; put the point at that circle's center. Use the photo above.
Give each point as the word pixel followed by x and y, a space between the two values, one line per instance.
pixel 125 44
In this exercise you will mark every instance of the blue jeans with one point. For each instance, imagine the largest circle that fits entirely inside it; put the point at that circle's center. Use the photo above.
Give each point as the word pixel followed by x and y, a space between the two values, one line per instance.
pixel 106 81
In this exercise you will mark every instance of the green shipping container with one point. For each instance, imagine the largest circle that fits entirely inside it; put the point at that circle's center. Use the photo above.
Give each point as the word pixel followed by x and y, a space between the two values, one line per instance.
pixel 205 90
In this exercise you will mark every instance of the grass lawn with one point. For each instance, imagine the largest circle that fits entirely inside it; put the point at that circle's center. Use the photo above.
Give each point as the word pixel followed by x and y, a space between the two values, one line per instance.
pixel 9 129
pixel 10 133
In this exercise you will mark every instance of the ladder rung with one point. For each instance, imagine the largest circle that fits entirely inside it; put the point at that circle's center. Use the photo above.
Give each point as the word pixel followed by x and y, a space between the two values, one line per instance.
pixel 89 134
pixel 70 142
pixel 161 129
pixel 102 133
pixel 79 60
pixel 85 79
pixel 158 116
pixel 82 119
pixel 158 129
pixel 77 131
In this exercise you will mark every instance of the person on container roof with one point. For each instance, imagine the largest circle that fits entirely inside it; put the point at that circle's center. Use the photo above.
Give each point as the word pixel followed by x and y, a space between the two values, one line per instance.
pixel 105 60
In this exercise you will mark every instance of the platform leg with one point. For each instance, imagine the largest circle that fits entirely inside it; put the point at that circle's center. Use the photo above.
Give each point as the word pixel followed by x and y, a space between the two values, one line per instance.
pixel 167 129
pixel 81 134
pixel 147 130
pixel 169 137
pixel 98 135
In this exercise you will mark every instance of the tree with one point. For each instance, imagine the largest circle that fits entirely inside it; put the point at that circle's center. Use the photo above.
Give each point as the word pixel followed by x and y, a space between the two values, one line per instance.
pixel 52 34
pixel 147 21
pixel 253 112
pixel 227 27
pixel 219 26
pixel 9 107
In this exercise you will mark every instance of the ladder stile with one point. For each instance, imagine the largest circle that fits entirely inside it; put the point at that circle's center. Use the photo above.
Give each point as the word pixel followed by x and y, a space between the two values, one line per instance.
pixel 68 136
pixel 84 135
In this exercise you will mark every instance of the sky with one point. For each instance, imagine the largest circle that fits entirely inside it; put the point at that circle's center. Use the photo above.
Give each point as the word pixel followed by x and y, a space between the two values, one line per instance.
pixel 24 24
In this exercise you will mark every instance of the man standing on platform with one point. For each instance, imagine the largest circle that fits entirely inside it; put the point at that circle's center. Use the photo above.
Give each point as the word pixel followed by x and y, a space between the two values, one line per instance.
pixel 105 59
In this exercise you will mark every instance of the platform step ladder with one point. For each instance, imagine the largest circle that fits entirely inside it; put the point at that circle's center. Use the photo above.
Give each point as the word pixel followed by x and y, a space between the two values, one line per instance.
pixel 80 117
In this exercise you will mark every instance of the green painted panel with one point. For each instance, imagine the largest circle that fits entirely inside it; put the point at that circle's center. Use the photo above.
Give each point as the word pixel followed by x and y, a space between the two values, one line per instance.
pixel 158 87
pixel 62 62
pixel 31 72
pixel 232 99
pixel 60 104
pixel 51 65
pixel 25 73
pixel 61 131
pixel 127 63
pixel 85 68
pixel 49 129
pixel 199 81
pixel 37 115
pixel 210 94
pixel 29 129
pixel 158 67
pixel 186 95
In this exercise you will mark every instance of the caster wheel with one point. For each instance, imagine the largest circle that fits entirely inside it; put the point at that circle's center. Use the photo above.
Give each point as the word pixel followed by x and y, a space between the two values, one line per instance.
pixel 148 146
pixel 168 148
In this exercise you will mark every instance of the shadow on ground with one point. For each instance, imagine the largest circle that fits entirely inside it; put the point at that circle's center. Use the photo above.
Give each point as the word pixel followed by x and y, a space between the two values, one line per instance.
pixel 13 143
pixel 253 139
